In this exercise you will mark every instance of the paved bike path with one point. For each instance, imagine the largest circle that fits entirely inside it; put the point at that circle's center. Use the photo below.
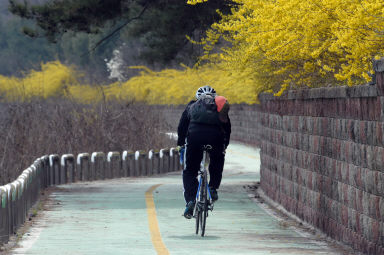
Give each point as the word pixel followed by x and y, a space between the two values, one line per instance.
pixel 115 217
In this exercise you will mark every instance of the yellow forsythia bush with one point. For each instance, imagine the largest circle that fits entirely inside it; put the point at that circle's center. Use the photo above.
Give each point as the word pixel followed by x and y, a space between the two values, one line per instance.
pixel 52 81
pixel 169 86
pixel 172 86
pixel 298 43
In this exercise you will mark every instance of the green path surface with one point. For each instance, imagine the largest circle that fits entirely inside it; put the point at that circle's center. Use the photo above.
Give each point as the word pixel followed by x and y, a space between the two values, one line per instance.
pixel 110 217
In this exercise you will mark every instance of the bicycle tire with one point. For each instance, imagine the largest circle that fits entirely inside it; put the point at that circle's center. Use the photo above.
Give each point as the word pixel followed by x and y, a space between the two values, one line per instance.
pixel 198 209
pixel 198 218
pixel 204 209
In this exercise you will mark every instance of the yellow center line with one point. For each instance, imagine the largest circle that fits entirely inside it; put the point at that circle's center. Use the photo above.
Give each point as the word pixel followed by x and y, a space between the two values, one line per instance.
pixel 153 224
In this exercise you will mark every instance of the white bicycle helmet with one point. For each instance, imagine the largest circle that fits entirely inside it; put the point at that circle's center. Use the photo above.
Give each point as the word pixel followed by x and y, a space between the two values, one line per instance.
pixel 205 90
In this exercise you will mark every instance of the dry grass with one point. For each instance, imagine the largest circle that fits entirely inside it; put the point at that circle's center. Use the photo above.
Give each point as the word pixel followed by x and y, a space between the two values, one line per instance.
pixel 30 130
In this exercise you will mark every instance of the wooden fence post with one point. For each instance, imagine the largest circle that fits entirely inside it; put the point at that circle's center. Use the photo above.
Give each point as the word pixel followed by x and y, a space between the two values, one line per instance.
pixel 156 162
pixel 9 210
pixel 150 163
pixel 33 184
pixel 172 160
pixel 68 166
pixel 114 164
pixel 137 164
pixel 128 163
pixel 44 171
pixel 4 214
pixel 164 160
pixel 83 167
pixel 98 165
pixel 176 159
pixel 24 176
pixel 14 202
pixel 21 198
pixel 142 162
pixel 55 169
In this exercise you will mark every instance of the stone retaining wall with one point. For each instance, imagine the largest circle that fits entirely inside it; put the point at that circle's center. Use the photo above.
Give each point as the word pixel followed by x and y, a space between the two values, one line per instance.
pixel 322 158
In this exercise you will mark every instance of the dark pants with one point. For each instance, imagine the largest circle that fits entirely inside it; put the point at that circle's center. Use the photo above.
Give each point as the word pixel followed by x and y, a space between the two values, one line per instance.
pixel 194 155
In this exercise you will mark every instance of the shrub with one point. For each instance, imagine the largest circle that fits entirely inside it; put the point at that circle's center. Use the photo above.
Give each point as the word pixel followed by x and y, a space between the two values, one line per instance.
pixel 41 127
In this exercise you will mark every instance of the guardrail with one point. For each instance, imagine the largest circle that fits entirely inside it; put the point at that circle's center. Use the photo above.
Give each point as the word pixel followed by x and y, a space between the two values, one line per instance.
pixel 18 197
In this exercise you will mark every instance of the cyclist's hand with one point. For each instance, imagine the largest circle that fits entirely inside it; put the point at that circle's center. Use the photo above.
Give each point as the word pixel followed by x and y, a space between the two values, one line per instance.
pixel 225 149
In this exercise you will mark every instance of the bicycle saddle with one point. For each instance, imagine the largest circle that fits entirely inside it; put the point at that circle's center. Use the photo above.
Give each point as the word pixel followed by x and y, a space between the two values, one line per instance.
pixel 207 147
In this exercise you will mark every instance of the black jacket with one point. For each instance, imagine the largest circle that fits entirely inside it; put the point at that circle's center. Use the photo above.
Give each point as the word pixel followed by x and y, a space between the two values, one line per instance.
pixel 186 127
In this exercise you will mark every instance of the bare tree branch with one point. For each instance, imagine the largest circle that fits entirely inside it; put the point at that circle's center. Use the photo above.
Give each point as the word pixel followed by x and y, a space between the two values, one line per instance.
pixel 117 30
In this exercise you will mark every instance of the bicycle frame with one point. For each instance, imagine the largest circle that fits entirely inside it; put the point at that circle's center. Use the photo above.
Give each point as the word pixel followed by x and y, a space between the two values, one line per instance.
pixel 203 168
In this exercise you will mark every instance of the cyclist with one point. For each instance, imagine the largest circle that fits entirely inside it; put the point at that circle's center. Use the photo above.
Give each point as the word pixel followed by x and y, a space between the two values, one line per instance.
pixel 193 135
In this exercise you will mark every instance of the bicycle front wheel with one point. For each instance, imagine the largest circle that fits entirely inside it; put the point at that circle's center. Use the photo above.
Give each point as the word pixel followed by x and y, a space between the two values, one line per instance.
pixel 204 207
pixel 198 216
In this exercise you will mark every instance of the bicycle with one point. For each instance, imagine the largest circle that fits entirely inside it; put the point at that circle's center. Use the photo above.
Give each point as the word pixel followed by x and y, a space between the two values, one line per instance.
pixel 204 202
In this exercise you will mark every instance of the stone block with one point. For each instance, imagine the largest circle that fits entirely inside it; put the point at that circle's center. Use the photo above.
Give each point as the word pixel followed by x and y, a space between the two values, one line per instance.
pixel 369 180
pixel 331 165
pixel 352 197
pixel 352 108
pixel 335 128
pixel 309 124
pixel 326 147
pixel 316 126
pixel 380 102
pixel 374 207
pixel 363 129
pixel 305 142
pixel 314 93
pixel 339 129
pixel 371 110
pixel 371 132
pixel 380 184
pixel 339 169
pixel 350 130
pixel 351 146
pixel 365 202
pixel 381 209
pixel 325 127
pixel 358 223
pixel 365 108
pixel 348 114
pixel 341 150
pixel 356 132
pixel 355 91
pixel 379 160
pixel 331 209
pixel 362 178
pixel 335 195
pixel 344 215
pixel 327 184
pixel 365 225
pixel 356 157
pixel 323 165
pixel 353 171
pixel 351 219
pixel 340 194
pixel 359 201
